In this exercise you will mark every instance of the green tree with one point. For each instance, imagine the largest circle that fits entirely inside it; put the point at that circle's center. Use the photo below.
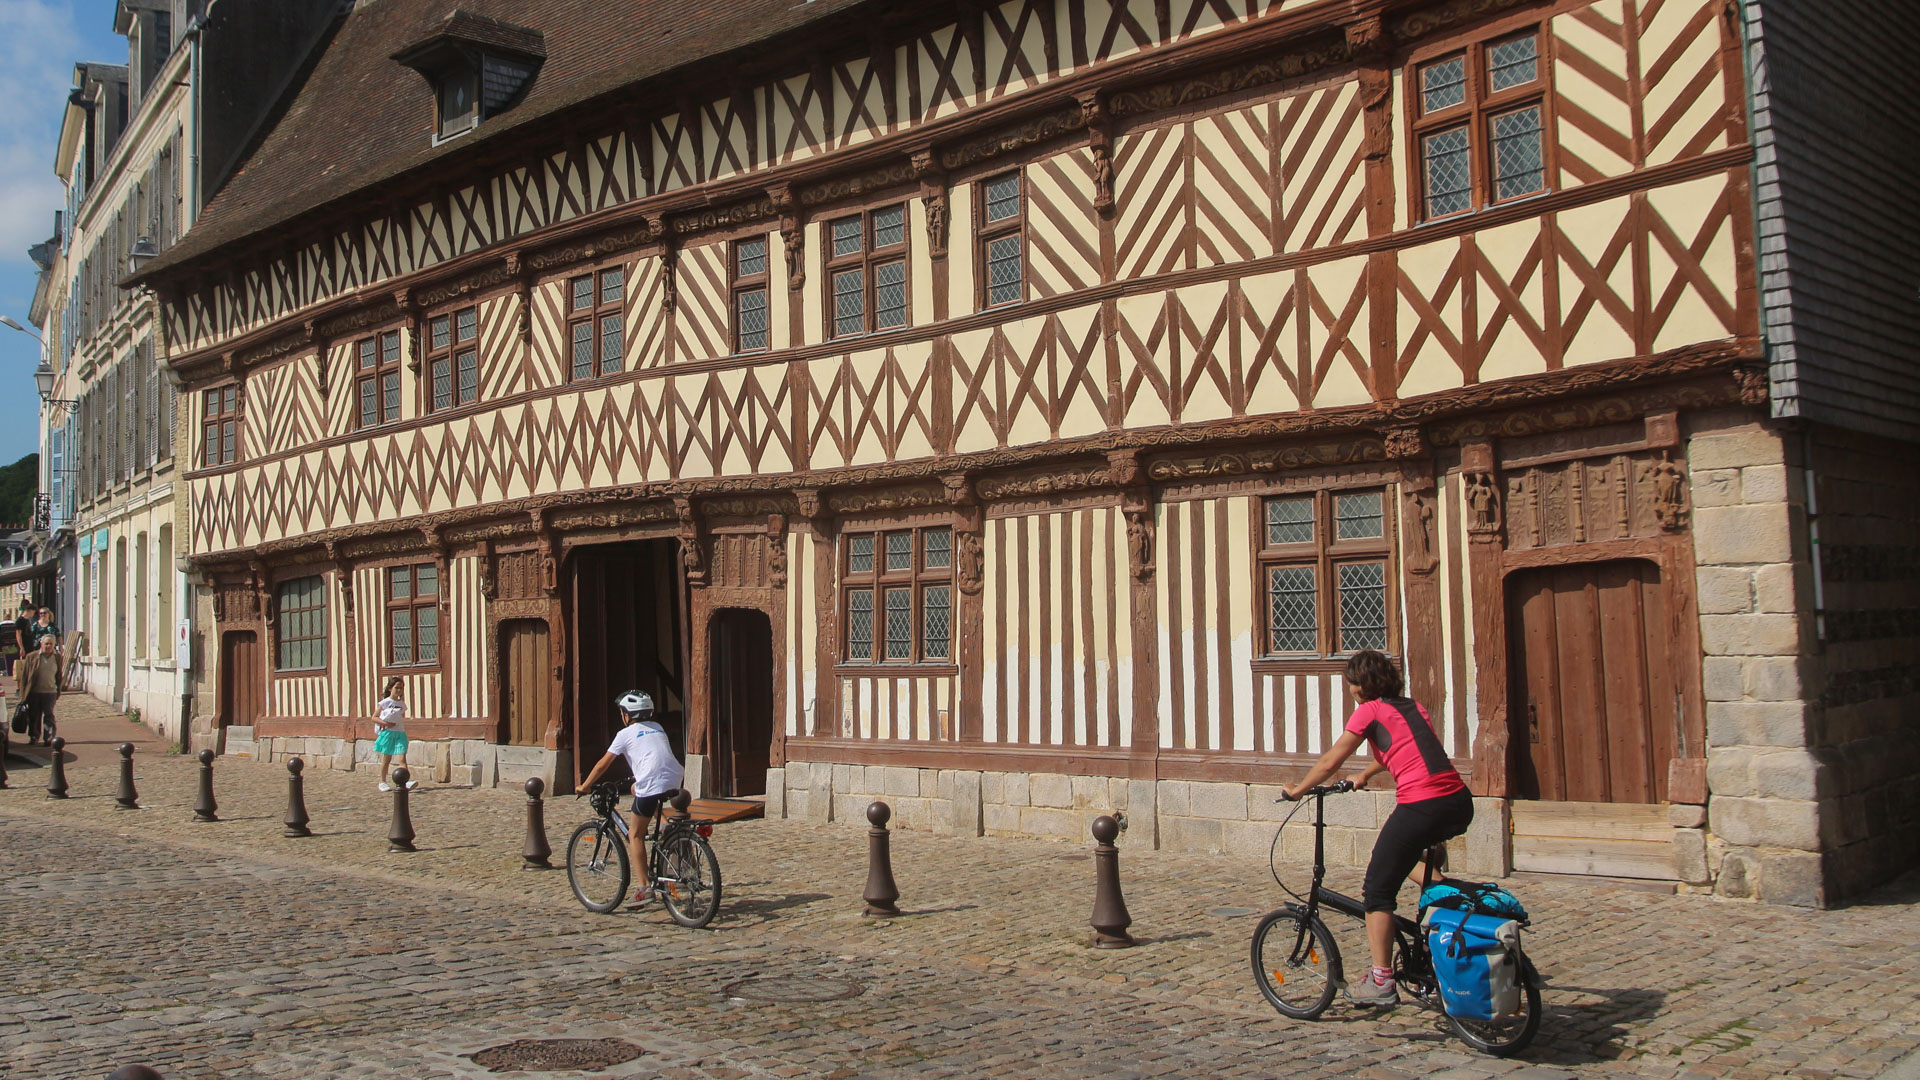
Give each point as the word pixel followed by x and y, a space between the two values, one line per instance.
pixel 19 483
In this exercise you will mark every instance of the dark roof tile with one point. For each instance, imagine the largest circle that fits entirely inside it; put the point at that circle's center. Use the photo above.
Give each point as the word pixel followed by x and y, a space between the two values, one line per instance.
pixel 361 118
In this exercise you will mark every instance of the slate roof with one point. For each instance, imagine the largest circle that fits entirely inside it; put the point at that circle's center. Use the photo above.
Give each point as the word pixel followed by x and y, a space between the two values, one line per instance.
pixel 362 118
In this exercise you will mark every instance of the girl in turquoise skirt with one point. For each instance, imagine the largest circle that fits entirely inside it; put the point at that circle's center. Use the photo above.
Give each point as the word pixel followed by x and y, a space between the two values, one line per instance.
pixel 392 740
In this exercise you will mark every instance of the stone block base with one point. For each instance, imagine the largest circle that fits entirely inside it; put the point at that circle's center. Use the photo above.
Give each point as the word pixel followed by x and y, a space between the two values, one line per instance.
pixel 459 762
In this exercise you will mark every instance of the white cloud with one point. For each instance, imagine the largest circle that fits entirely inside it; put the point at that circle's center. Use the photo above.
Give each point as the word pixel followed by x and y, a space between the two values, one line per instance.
pixel 37 54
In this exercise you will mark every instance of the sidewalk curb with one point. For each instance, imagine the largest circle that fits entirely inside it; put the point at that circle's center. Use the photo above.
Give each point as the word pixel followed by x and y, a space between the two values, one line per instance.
pixel 1907 1068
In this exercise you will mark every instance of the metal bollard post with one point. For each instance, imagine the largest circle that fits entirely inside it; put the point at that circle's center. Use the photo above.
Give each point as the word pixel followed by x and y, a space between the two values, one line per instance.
pixel 297 818
pixel 57 778
pixel 127 799
pixel 881 891
pixel 135 1072
pixel 204 808
pixel 1110 918
pixel 534 852
pixel 400 833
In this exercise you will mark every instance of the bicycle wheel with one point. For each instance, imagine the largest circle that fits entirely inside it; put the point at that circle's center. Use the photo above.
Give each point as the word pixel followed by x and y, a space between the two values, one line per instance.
pixel 689 882
pixel 1296 963
pixel 1502 1038
pixel 597 867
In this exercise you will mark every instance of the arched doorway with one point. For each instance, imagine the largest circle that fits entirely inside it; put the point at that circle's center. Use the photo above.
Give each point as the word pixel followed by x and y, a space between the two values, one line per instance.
pixel 740 670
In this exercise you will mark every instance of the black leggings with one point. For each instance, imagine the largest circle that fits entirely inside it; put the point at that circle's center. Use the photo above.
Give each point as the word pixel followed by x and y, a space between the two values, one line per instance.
pixel 1410 830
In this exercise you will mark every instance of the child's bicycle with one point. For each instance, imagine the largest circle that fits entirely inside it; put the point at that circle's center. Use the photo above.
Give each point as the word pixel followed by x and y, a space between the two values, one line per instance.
pixel 1297 964
pixel 680 862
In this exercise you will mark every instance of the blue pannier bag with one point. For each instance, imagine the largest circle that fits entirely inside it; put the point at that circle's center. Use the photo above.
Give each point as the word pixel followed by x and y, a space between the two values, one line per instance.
pixel 1476 960
pixel 1480 898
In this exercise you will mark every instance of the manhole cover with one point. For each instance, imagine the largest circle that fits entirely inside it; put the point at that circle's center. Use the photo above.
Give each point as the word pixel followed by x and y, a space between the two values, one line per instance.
pixel 555 1055
pixel 794 988
pixel 1231 912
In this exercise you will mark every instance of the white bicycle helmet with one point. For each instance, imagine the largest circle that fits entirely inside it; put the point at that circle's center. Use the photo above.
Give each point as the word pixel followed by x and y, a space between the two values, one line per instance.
pixel 635 704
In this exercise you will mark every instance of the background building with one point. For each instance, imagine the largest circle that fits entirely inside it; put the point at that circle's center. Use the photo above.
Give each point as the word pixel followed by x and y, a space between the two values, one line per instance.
pixel 1020 411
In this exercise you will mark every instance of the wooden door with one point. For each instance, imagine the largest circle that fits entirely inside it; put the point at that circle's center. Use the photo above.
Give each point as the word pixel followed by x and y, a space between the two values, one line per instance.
pixel 741 662
pixel 526 682
pixel 242 679
pixel 1595 708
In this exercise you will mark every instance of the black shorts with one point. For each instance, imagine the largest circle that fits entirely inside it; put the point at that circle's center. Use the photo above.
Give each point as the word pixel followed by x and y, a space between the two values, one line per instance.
pixel 1410 830
pixel 648 805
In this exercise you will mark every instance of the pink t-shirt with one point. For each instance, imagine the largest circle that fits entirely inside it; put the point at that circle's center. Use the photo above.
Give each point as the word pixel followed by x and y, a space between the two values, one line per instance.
pixel 1404 742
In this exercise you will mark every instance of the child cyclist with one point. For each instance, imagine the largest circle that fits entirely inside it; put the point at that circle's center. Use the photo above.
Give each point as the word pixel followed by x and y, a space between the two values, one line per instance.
pixel 1434 805
pixel 656 776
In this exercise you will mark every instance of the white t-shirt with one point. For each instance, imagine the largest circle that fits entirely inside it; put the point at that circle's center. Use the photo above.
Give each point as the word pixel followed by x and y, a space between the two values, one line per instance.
pixel 393 713
pixel 650 756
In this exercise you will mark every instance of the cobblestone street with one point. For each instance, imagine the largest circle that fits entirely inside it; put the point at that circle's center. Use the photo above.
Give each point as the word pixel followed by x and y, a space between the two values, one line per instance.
pixel 223 949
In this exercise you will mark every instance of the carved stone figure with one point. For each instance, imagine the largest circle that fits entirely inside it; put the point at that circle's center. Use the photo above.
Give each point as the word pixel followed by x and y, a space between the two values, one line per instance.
pixel 1421 557
pixel 1140 545
pixel 1102 177
pixel 966 562
pixel 1483 504
pixel 694 557
pixel 1669 483
pixel 937 224
pixel 777 560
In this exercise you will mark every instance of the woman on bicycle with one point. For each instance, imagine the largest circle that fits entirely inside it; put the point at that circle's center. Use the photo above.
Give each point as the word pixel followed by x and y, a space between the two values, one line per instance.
pixel 1433 802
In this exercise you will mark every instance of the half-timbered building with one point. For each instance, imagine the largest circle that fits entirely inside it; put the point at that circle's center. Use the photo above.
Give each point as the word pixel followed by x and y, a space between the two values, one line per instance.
pixel 1019 410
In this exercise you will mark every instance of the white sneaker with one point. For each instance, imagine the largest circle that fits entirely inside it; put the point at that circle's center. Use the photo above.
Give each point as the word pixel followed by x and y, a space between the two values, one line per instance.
pixel 411 784
pixel 384 786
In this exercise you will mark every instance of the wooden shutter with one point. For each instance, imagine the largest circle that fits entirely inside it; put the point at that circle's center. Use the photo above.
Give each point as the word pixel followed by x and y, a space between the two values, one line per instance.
pixel 150 406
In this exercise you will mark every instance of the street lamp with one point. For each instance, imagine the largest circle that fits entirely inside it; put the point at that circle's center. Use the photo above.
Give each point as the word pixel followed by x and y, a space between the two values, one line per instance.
pixel 7 320
pixel 43 375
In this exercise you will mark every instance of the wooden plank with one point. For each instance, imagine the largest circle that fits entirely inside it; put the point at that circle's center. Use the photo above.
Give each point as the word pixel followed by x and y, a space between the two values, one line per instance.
pixel 1603 858
pixel 1596 821
pixel 719 810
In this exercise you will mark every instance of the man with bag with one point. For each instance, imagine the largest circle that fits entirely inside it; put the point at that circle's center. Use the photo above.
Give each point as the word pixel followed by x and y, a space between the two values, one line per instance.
pixel 40 688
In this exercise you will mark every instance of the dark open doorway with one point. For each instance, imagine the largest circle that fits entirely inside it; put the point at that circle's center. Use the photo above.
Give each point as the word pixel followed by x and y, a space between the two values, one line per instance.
pixel 741 663
pixel 627 634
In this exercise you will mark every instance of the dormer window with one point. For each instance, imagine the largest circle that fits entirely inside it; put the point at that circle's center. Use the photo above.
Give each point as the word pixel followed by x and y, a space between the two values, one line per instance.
pixel 477 66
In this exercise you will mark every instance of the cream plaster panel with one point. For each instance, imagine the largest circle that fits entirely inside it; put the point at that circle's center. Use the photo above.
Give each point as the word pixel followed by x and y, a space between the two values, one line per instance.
pixel 724 143
pixel 780 296
pixel 960 284
pixel 812 327
pixel 1233 207
pixel 1028 52
pixel 942 42
pixel 1081 412
pixel 1405 176
pixel 1322 184
pixel 1025 349
pixel 1575 88
pixel 1342 384
pixel 1202 366
pixel 1238 615
pixel 864 119
pixel 1509 351
pixel 1148 404
pixel 1063 236
pixel 1588 231
pixel 1268 357
pixel 794 134
pixel 973 429
pixel 1686 207
pixel 549 335
pixel 672 161
pixel 1432 367
pixel 1697 54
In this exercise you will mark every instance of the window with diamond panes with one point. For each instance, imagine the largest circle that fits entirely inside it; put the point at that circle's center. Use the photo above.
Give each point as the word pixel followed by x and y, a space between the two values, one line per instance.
pixel 300 625
pixel 1323 571
pixel 413 616
pixel 897 589
pixel 750 316
pixel 220 425
pixel 453 352
pixel 376 379
pixel 1002 241
pixel 596 323
pixel 867 272
pixel 1480 126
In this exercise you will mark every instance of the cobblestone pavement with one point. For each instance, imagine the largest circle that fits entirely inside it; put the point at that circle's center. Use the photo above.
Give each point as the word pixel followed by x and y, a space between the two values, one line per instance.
pixel 225 950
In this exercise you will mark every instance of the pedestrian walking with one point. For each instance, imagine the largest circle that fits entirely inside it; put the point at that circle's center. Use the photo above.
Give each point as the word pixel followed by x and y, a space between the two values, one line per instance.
pixel 392 740
pixel 40 684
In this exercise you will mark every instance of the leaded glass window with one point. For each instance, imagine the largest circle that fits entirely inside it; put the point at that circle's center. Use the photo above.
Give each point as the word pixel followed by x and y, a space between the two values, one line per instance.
pixel 300 628
pixel 867 272
pixel 1480 126
pixel 898 596
pixel 1363 606
pixel 1324 569
pixel 750 319
pixel 413 616
pixel 1002 241
pixel 596 323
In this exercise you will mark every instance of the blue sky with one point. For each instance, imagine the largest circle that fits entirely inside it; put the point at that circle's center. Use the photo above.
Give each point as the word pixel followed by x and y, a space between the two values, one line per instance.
pixel 40 40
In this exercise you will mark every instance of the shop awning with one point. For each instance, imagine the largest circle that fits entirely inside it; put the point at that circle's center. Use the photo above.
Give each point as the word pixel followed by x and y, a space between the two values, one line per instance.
pixel 27 573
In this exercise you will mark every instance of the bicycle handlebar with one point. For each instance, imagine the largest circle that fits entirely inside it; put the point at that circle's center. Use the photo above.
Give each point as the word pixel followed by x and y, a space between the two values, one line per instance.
pixel 1335 788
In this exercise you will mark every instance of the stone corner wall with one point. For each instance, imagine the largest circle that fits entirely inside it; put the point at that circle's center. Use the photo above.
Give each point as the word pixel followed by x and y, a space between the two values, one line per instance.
pixel 1754 829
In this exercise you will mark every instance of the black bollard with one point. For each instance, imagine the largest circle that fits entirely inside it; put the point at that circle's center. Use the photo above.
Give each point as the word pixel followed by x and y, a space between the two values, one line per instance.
pixel 204 808
pixel 3 751
pixel 682 799
pixel 57 779
pixel 881 891
pixel 1110 918
pixel 534 852
pixel 128 799
pixel 400 833
pixel 134 1072
pixel 297 818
